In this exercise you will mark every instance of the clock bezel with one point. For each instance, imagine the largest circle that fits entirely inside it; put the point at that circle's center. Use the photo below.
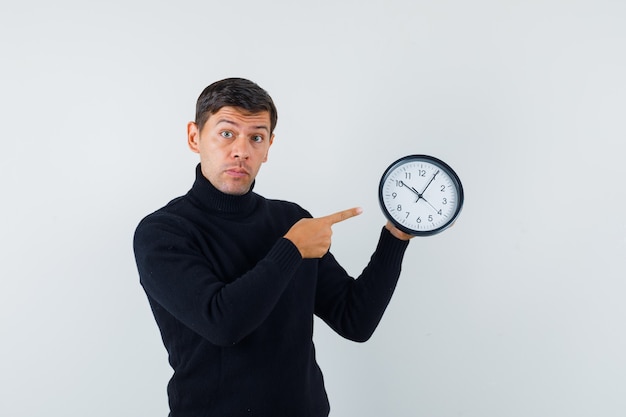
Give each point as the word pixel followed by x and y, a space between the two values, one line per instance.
pixel 434 161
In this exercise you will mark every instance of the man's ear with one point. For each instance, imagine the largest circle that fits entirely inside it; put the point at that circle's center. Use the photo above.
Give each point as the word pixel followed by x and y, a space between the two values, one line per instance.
pixel 193 137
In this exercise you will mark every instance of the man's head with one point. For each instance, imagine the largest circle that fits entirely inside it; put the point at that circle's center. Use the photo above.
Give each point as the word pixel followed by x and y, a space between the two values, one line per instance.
pixel 233 131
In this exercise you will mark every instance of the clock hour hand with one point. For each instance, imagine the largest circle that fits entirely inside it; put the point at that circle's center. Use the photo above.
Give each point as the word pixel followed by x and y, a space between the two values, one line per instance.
pixel 412 189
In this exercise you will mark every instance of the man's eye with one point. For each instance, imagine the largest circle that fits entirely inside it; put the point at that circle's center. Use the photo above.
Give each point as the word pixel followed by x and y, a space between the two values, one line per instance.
pixel 226 134
pixel 257 138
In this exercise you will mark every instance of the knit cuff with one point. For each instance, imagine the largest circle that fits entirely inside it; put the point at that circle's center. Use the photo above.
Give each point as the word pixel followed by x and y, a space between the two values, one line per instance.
pixel 285 255
pixel 390 249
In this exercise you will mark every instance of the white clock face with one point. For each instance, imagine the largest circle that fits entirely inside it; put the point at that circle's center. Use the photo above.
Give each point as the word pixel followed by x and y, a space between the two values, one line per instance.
pixel 421 195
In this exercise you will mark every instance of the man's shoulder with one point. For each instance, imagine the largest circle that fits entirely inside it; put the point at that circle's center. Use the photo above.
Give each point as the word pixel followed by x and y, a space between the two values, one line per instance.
pixel 170 212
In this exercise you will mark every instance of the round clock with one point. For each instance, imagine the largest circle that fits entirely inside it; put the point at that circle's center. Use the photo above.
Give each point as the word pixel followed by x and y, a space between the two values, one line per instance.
pixel 421 195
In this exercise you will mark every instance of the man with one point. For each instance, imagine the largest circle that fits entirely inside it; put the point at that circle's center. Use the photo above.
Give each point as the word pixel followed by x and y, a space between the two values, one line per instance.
pixel 234 279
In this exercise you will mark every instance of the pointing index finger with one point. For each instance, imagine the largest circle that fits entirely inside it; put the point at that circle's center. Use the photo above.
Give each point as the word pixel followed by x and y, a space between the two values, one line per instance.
pixel 343 215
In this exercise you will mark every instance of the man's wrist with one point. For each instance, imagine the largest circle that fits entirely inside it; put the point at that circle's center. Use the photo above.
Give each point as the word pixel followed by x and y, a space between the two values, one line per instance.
pixel 397 233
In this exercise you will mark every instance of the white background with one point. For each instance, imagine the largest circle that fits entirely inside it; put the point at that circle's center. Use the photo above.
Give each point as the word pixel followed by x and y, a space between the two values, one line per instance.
pixel 518 310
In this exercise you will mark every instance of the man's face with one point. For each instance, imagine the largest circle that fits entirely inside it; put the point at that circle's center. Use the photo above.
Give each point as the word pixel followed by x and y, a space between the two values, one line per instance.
pixel 232 146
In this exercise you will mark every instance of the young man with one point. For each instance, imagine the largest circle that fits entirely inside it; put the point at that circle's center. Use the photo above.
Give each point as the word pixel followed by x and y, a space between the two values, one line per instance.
pixel 234 279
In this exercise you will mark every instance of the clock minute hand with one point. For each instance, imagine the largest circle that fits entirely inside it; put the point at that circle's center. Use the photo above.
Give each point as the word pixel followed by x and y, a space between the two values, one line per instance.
pixel 429 182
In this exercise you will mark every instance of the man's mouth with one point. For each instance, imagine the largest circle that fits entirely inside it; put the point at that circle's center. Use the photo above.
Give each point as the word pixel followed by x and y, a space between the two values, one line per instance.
pixel 237 172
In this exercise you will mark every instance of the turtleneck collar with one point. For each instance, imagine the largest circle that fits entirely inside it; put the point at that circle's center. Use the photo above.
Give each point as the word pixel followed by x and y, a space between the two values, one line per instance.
pixel 204 194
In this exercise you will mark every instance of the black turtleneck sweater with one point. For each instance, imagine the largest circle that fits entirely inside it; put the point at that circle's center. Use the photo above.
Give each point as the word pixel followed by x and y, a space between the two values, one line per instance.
pixel 234 302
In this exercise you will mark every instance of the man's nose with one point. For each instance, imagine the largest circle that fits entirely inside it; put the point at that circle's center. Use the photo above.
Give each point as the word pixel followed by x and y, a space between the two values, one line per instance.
pixel 241 148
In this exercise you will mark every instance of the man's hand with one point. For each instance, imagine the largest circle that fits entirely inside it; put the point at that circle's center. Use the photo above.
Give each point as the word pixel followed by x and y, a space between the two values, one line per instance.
pixel 397 232
pixel 312 236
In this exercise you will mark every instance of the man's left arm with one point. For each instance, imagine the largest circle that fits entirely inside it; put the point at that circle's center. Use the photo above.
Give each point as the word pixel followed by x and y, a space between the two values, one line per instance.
pixel 354 307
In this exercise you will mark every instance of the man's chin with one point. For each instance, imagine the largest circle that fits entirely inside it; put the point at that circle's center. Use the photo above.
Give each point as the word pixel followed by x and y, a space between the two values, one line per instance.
pixel 235 188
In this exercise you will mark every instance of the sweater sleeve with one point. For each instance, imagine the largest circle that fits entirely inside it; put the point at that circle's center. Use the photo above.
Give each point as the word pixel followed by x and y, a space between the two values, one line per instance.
pixel 175 275
pixel 354 307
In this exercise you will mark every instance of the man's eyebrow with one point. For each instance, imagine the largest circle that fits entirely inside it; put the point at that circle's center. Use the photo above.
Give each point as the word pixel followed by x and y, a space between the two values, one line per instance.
pixel 230 122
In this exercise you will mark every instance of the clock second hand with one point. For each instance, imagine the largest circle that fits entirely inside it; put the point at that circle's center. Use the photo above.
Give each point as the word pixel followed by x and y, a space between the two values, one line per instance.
pixel 421 196
pixel 428 202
